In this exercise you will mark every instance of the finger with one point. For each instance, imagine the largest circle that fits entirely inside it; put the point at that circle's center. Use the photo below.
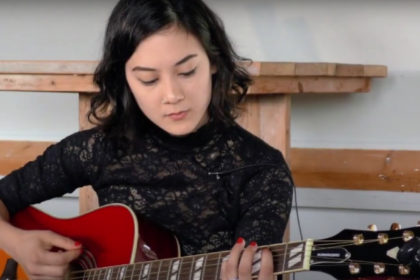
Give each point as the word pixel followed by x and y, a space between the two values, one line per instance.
pixel 42 277
pixel 233 261
pixel 60 258
pixel 266 272
pixel 51 238
pixel 49 272
pixel 245 266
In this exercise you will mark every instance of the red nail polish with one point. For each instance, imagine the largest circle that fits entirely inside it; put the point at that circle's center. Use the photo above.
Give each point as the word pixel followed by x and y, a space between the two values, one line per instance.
pixel 77 243
pixel 240 240
pixel 253 243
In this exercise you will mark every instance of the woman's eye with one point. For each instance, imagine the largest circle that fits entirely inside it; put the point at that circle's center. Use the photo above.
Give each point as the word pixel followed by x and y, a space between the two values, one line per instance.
pixel 148 83
pixel 186 74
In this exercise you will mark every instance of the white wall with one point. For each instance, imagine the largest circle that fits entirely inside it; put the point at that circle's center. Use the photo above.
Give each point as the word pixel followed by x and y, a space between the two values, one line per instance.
pixel 368 32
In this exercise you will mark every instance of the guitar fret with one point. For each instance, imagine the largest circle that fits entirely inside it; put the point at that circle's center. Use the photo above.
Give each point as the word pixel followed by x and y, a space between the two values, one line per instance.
pixel 198 267
pixel 154 272
pixel 283 258
pixel 133 271
pixel 98 274
pixel 108 273
pixel 146 271
pixel 211 267
pixel 116 273
pixel 164 268
pixel 175 269
pixel 190 261
pixel 219 261
pixel 295 255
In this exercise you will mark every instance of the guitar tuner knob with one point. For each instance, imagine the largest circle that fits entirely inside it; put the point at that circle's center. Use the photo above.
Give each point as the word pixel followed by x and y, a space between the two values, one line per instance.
pixel 403 269
pixel 358 239
pixel 383 238
pixel 379 268
pixel 408 235
pixel 395 226
pixel 354 268
pixel 373 227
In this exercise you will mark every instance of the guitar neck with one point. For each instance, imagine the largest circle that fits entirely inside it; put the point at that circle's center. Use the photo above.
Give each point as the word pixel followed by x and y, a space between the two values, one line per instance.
pixel 287 258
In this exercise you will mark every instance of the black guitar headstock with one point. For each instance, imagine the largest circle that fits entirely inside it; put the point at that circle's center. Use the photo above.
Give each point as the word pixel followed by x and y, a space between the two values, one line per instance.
pixel 371 253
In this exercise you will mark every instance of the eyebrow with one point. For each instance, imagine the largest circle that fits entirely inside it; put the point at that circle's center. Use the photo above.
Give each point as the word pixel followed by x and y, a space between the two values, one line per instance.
pixel 185 59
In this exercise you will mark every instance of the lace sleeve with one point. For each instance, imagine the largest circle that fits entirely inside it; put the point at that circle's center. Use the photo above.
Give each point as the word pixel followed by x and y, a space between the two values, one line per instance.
pixel 63 167
pixel 265 207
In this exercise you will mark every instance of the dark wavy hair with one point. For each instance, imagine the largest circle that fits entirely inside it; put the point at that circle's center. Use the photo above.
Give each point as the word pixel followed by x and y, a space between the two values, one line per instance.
pixel 131 21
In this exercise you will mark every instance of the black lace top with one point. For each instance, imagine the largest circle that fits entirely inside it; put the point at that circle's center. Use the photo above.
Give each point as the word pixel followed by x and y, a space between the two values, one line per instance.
pixel 208 188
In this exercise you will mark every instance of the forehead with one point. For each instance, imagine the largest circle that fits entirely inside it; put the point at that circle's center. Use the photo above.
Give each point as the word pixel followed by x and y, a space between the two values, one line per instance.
pixel 166 47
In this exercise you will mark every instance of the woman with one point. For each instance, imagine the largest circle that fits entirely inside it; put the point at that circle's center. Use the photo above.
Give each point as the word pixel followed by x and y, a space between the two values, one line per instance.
pixel 166 144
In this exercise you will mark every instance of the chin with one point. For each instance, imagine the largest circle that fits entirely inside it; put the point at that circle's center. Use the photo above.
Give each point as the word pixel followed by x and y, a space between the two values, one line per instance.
pixel 180 129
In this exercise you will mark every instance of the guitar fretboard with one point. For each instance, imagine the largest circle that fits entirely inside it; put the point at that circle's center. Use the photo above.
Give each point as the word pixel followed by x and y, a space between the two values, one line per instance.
pixel 287 258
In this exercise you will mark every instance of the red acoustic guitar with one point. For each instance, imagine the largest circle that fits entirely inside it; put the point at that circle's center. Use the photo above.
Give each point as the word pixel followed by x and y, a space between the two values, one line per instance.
pixel 119 246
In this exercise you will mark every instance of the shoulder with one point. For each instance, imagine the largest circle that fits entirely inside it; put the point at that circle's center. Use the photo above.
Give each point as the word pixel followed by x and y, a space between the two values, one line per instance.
pixel 86 141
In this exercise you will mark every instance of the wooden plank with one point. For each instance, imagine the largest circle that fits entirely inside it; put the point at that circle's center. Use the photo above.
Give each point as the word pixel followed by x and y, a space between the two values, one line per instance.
pixel 88 199
pixel 351 169
pixel 15 154
pixel 379 170
pixel 261 85
pixel 256 68
pixel 268 117
pixel 275 130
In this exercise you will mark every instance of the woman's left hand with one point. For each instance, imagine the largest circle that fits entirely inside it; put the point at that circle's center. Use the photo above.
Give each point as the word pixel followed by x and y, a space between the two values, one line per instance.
pixel 239 266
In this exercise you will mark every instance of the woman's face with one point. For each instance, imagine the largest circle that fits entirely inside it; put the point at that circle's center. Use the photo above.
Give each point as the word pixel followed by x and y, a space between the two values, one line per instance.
pixel 170 77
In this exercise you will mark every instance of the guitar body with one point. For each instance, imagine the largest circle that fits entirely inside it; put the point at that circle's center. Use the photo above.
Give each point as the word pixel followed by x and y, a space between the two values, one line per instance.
pixel 111 235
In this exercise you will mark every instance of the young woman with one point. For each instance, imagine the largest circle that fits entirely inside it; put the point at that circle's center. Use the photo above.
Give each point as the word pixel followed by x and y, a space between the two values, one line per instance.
pixel 166 144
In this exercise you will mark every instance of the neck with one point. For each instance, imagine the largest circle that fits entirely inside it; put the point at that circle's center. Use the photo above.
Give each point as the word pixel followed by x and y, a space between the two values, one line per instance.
pixel 287 258
pixel 202 138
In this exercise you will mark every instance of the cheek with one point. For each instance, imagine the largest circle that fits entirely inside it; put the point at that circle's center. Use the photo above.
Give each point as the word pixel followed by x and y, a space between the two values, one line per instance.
pixel 199 89
pixel 145 98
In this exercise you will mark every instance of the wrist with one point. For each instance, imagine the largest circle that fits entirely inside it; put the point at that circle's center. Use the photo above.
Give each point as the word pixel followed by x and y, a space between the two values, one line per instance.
pixel 9 236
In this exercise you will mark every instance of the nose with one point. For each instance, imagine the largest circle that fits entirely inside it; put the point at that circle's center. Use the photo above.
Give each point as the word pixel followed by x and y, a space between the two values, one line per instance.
pixel 172 92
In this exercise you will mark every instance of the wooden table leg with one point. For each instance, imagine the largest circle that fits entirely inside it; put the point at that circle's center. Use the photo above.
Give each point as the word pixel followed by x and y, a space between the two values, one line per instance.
pixel 88 199
pixel 268 117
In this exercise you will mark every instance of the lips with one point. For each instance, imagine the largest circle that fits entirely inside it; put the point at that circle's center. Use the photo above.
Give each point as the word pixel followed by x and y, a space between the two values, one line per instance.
pixel 178 115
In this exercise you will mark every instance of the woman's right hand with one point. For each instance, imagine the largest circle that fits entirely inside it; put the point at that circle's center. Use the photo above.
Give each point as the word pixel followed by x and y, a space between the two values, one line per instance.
pixel 31 249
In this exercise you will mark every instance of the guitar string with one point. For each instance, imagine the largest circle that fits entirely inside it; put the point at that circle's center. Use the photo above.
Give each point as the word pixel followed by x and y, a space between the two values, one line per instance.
pixel 164 274
pixel 333 244
pixel 216 271
pixel 168 264
pixel 276 257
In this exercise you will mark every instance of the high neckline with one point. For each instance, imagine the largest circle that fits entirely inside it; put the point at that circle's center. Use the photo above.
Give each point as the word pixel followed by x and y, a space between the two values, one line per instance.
pixel 203 138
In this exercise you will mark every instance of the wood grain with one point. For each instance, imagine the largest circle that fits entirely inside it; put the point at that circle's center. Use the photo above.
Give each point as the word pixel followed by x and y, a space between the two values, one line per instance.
pixel 256 68
pixel 261 84
pixel 351 169
pixel 88 199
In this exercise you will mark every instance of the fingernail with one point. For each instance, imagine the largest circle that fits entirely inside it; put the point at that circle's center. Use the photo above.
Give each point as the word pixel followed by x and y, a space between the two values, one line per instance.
pixel 240 240
pixel 253 243
pixel 77 243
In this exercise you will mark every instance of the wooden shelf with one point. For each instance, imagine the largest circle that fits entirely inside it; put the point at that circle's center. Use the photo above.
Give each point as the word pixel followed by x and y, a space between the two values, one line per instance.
pixel 269 77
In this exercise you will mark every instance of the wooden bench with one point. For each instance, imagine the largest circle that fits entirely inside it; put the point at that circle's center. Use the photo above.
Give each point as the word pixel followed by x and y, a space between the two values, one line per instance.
pixel 267 115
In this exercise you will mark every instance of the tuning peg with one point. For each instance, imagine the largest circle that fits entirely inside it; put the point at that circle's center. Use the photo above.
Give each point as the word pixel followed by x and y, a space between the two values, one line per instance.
pixel 372 227
pixel 395 226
